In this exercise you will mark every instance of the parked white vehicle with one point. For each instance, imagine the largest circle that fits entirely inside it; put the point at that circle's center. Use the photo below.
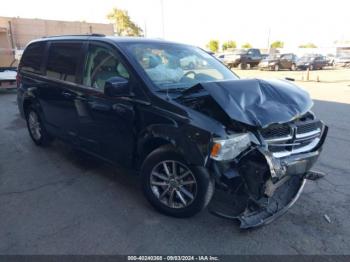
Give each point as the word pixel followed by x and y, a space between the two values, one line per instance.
pixel 342 61
pixel 7 78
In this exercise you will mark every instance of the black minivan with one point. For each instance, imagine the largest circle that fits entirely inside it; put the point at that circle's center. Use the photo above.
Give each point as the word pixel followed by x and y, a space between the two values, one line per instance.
pixel 196 135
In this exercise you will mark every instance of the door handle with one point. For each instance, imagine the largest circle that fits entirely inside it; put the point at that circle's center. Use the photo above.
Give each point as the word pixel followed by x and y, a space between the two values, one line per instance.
pixel 67 94
pixel 100 106
pixel 122 109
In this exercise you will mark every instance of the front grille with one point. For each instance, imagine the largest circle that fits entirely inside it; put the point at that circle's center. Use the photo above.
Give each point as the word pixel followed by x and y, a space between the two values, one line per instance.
pixel 275 131
pixel 292 138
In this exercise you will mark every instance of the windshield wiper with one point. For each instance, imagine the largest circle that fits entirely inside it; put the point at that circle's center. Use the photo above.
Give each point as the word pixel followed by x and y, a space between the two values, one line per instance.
pixel 172 90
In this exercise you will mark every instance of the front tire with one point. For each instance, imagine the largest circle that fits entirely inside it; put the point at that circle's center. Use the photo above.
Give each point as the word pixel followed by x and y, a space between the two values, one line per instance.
pixel 172 186
pixel 36 128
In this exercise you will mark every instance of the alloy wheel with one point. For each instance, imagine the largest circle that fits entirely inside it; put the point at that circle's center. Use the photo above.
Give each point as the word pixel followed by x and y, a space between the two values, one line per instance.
pixel 173 183
pixel 34 125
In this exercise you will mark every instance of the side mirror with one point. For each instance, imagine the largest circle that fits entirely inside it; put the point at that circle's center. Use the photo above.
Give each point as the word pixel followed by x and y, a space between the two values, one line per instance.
pixel 117 86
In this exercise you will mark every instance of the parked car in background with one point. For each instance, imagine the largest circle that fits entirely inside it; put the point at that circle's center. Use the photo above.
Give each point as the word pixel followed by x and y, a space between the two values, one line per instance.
pixel 188 133
pixel 330 59
pixel 277 62
pixel 342 61
pixel 221 56
pixel 243 58
pixel 210 52
pixel 312 62
pixel 8 77
pixel 263 56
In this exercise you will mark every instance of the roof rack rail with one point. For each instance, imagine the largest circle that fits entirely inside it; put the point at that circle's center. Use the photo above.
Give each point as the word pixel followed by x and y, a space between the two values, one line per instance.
pixel 94 34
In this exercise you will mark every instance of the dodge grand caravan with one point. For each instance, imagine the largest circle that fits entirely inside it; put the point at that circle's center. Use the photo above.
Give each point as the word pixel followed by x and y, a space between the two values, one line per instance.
pixel 197 136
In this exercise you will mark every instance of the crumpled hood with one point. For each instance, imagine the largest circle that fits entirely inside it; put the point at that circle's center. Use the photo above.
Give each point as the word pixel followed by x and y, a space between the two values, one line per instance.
pixel 259 102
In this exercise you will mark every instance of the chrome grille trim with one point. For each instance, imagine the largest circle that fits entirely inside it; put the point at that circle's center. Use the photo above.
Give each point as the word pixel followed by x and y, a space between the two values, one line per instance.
pixel 286 144
pixel 298 150
pixel 304 136
pixel 279 139
pixel 308 134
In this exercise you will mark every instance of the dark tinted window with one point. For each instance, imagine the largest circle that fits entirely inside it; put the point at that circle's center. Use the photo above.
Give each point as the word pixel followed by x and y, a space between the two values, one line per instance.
pixel 63 61
pixel 288 57
pixel 33 57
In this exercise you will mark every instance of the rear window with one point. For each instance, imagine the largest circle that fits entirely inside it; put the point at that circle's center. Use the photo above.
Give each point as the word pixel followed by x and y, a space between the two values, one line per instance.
pixel 63 61
pixel 32 57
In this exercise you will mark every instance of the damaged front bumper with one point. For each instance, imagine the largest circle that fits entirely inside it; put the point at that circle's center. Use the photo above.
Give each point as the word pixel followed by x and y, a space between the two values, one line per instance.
pixel 258 188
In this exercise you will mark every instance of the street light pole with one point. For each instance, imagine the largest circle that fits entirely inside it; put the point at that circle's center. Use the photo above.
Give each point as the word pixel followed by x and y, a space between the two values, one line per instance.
pixel 145 28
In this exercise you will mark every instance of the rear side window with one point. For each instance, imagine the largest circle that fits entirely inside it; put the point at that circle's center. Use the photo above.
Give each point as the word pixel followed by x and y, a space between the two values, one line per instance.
pixel 33 57
pixel 63 60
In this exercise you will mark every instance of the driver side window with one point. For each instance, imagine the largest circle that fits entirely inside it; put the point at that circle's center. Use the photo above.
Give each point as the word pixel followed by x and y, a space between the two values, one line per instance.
pixel 102 64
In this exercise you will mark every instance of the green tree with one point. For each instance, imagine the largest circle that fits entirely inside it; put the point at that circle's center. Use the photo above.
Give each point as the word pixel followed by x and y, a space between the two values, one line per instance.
pixel 229 44
pixel 277 44
pixel 213 45
pixel 308 45
pixel 247 45
pixel 123 23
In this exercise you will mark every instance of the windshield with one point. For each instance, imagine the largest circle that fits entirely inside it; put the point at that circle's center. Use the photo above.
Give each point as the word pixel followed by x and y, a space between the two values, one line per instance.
pixel 272 57
pixel 178 66
pixel 307 58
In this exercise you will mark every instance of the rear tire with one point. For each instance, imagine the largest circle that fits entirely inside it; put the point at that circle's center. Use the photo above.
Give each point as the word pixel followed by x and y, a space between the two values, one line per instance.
pixel 36 128
pixel 242 66
pixel 173 187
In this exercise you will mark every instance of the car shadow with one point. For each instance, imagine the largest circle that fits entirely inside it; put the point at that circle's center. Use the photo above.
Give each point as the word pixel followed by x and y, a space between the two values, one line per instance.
pixel 87 162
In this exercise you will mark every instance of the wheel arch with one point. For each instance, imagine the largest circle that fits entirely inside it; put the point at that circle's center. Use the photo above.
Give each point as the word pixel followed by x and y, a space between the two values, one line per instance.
pixel 193 145
pixel 149 144
pixel 32 101
pixel 27 102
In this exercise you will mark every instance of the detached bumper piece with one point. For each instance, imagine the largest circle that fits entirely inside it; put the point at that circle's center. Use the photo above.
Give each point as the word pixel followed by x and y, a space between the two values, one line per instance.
pixel 263 212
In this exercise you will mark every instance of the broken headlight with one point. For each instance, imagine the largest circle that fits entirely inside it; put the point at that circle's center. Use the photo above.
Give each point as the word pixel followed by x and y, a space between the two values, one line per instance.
pixel 227 149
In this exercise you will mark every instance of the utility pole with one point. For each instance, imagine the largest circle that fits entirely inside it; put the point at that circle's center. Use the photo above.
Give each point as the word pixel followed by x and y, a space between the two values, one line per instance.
pixel 268 39
pixel 145 27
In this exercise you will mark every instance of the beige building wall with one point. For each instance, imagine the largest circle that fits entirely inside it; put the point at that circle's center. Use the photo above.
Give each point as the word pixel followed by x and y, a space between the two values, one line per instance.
pixel 24 30
pixel 6 53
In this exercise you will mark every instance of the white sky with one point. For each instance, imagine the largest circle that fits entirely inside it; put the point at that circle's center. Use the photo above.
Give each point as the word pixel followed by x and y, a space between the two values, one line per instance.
pixel 196 21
